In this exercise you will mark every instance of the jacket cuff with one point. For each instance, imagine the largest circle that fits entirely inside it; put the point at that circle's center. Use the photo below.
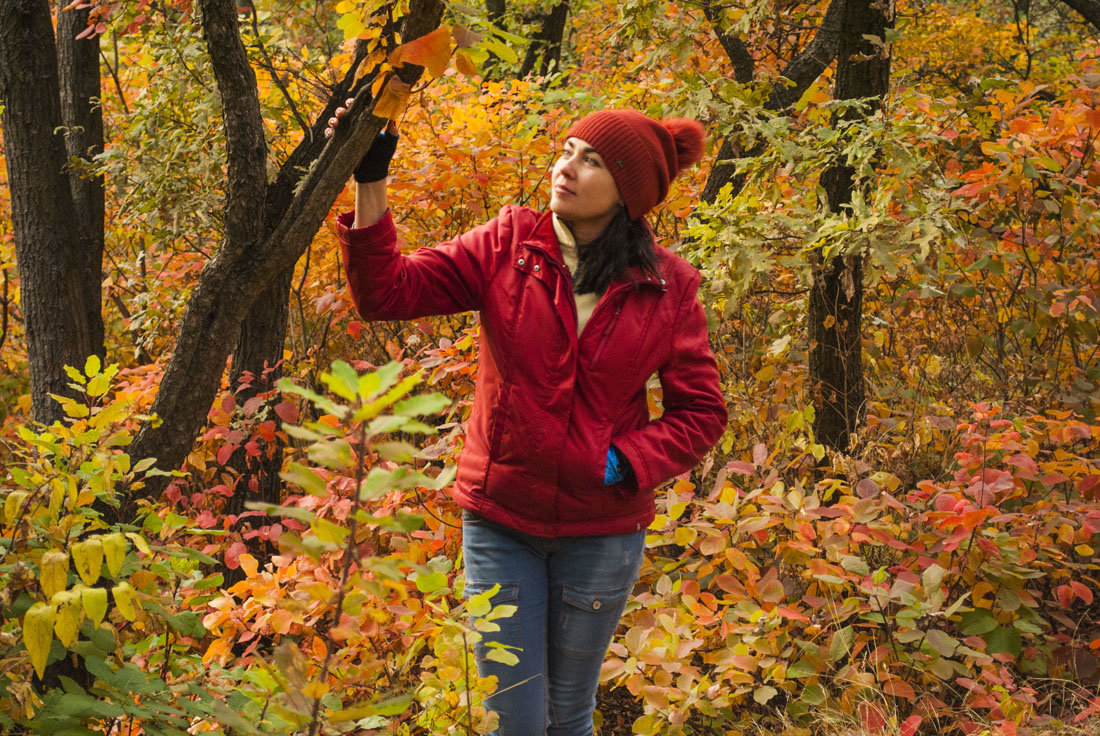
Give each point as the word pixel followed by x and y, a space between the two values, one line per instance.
pixel 366 238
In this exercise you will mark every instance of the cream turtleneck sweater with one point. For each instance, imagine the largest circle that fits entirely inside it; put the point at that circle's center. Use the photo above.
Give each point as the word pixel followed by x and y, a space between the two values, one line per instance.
pixel 568 245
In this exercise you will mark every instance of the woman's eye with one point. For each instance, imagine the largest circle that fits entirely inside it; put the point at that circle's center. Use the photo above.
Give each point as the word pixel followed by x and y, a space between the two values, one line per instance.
pixel 591 161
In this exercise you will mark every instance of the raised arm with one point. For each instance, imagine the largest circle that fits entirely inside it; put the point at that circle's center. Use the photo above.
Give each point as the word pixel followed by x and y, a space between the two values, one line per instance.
pixel 370 178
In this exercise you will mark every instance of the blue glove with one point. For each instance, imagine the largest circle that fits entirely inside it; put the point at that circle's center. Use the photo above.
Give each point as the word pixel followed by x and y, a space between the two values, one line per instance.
pixel 616 469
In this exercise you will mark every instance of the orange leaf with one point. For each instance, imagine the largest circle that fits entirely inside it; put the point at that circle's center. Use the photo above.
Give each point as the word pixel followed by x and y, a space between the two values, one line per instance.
pixel 899 689
pixel 391 102
pixel 465 64
pixel 432 51
pixel 249 564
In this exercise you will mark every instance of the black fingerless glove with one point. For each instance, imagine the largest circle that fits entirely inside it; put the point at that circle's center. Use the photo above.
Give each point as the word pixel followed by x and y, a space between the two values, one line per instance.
pixel 375 165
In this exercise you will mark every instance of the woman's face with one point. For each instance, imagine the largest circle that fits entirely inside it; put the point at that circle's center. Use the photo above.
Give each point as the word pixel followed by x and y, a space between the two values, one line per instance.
pixel 582 190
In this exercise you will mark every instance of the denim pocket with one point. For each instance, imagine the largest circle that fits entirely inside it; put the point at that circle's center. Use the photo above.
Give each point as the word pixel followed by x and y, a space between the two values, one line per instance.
pixel 588 620
pixel 510 630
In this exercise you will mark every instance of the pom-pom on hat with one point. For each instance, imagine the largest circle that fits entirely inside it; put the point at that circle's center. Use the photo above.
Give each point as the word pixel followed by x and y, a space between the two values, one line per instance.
pixel 643 155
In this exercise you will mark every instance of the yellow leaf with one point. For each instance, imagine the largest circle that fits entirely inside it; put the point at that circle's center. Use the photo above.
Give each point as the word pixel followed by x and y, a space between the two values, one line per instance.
pixel 139 542
pixel 125 600
pixel 1084 550
pixel 57 496
pixel 37 634
pixel 685 535
pixel 326 531
pixel 114 551
pixel 677 510
pixel 53 572
pixel 248 564
pixel 95 603
pixel 392 100
pixel 88 559
pixel 92 366
pixel 69 615
pixel 12 506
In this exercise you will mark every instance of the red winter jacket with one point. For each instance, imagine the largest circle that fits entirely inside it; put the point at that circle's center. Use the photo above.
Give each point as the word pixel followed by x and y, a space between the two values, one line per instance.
pixel 548 405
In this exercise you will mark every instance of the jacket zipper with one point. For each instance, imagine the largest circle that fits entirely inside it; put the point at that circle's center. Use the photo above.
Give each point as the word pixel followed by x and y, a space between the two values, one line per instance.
pixel 605 336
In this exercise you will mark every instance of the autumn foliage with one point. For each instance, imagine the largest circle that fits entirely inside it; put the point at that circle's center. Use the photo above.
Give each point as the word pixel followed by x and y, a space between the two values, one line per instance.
pixel 940 577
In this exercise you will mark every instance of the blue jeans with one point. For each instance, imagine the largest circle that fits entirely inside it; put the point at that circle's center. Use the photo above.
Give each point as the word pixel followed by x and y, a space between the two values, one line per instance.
pixel 570 593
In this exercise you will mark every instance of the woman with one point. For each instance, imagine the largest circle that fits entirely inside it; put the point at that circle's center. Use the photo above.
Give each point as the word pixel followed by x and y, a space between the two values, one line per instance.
pixel 579 307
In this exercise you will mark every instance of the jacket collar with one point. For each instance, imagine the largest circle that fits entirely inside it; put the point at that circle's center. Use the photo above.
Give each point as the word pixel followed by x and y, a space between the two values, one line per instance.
pixel 545 238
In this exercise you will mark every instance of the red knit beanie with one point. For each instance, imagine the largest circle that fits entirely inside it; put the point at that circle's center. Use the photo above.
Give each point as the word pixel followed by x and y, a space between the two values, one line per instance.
pixel 643 154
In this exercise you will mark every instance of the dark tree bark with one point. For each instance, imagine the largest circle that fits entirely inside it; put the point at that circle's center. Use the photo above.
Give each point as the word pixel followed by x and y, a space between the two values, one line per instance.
pixel 547 42
pixel 78 70
pixel 496 10
pixel 1088 9
pixel 836 291
pixel 48 246
pixel 266 230
pixel 796 78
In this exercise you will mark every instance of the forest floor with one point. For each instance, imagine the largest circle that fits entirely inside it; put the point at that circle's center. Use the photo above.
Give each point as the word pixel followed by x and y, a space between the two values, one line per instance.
pixel 619 710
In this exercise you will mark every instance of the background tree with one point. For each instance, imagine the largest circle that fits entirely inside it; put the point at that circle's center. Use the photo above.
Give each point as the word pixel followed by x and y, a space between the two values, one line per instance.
pixel 835 307
pixel 55 214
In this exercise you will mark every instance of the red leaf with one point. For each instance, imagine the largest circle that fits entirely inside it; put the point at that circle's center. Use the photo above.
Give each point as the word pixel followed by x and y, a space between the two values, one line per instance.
pixel 1082 591
pixel 354 328
pixel 741 467
pixel 287 412
pixel 252 405
pixel 252 448
pixel 872 717
pixel 787 612
pixel 226 452
pixel 233 555
pixel 910 725
pixel 1065 595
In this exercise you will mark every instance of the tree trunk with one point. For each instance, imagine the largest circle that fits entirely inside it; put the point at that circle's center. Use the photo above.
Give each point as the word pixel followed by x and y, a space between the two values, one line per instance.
pixel 547 43
pixel 802 71
pixel 836 290
pixel 48 246
pixel 252 256
pixel 78 70
pixel 1088 9
pixel 258 355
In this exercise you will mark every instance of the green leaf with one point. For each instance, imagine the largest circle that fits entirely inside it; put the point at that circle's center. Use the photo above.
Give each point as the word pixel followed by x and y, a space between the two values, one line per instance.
pixel 801 668
pixel 932 578
pixel 1004 640
pixel 478 605
pixel 764 693
pixel 944 645
pixel 342 381
pixel 841 643
pixel 422 404
pixel 431 582
pixel 502 655
pixel 305 478
pixel 813 694
pixel 977 622
pixel 326 531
